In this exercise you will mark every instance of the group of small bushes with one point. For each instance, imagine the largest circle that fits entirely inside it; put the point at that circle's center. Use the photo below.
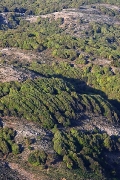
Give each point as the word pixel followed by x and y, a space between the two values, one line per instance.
pixel 87 150
pixel 99 41
pixel 51 101
pixel 37 158
pixel 7 143
pixel 102 79
pixel 43 7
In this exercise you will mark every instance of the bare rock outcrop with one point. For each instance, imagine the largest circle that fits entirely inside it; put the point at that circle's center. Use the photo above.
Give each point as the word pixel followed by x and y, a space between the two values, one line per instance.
pixel 10 73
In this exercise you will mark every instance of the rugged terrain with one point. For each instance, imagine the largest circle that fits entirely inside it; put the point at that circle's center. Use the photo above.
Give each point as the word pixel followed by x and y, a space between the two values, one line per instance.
pixel 75 22
pixel 42 140
pixel 17 65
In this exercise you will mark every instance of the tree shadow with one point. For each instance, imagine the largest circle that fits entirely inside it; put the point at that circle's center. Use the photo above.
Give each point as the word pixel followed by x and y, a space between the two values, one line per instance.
pixel 81 87
pixel 21 148
pixel 1 123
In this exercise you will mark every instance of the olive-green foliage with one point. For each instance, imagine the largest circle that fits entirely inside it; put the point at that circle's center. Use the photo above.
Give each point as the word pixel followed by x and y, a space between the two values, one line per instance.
pixel 104 79
pixel 5 87
pixel 102 42
pixel 63 94
pixel 41 35
pixel 7 143
pixel 28 141
pixel 99 41
pixel 100 78
pixel 37 158
pixel 15 148
pixel 43 7
pixel 84 150
pixel 51 101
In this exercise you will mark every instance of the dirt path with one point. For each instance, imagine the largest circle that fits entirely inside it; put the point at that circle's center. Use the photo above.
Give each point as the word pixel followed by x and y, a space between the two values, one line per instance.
pixel 26 175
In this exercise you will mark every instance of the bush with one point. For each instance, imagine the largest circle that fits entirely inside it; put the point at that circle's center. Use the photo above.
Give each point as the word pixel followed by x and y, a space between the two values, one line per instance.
pixel 15 149
pixel 37 158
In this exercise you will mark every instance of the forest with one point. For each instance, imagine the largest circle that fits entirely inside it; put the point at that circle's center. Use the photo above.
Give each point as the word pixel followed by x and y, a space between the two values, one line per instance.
pixel 77 80
pixel 47 6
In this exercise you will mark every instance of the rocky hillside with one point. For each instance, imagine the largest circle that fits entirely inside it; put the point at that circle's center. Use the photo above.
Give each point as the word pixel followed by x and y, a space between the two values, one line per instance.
pixel 60 91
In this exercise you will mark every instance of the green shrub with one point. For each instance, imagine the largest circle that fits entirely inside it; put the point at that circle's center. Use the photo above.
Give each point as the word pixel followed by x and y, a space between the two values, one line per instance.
pixel 37 158
pixel 15 149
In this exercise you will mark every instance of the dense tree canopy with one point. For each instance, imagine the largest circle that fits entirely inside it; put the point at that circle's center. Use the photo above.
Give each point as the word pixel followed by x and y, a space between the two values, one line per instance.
pixel 70 82
pixel 47 6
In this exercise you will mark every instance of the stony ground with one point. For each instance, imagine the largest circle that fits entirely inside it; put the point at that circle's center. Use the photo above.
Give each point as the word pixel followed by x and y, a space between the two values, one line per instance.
pixel 10 58
pixel 85 14
pixel 6 173
pixel 12 61
pixel 10 73
pixel 41 137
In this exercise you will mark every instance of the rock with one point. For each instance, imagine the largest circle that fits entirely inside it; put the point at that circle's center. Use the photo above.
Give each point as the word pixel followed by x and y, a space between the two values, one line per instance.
pixel 7 173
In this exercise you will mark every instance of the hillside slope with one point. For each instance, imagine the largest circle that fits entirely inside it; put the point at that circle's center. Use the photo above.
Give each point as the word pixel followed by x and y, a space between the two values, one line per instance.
pixel 60 89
